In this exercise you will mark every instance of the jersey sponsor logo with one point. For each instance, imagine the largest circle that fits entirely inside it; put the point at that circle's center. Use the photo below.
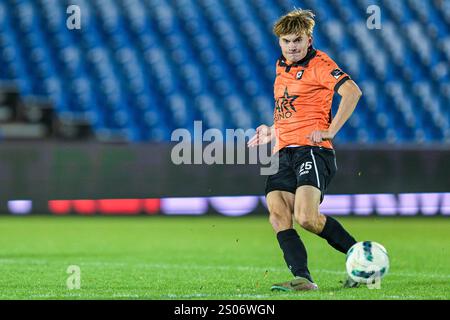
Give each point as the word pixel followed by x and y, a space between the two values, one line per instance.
pixel 299 74
pixel 284 106
pixel 337 73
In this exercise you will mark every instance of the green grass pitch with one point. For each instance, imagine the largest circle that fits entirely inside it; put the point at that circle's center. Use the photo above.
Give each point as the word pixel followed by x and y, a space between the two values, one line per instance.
pixel 208 257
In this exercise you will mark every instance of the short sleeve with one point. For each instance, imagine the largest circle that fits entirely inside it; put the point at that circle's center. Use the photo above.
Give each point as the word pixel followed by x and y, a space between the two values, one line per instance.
pixel 329 75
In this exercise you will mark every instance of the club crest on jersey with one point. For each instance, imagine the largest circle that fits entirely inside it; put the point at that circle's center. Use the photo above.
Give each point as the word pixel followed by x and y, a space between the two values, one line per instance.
pixel 337 73
pixel 299 74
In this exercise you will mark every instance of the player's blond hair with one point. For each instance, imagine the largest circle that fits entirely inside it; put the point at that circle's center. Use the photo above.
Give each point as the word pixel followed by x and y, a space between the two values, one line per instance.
pixel 297 21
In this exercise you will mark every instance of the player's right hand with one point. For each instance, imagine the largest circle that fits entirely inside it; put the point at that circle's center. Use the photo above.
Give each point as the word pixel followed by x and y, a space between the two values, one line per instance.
pixel 264 134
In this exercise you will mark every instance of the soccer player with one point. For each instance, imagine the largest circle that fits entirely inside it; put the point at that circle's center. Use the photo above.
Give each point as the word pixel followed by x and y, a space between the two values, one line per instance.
pixel 306 80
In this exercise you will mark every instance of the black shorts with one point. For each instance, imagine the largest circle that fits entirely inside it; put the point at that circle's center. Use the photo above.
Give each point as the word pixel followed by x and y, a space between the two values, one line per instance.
pixel 304 165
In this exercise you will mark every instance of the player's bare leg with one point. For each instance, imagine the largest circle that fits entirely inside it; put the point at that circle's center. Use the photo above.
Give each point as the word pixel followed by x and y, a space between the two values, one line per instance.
pixel 281 209
pixel 307 214
pixel 306 210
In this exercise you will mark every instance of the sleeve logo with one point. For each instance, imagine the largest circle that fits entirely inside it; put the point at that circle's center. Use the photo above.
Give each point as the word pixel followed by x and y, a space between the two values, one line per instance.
pixel 337 73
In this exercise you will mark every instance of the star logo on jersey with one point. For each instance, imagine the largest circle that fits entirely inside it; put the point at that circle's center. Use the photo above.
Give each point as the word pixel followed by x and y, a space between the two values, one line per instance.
pixel 284 106
pixel 288 100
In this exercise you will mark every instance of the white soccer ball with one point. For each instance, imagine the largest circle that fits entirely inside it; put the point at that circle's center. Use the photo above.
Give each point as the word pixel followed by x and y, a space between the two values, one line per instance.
pixel 367 262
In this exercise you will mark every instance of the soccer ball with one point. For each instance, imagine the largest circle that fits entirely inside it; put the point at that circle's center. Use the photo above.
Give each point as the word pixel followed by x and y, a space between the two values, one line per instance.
pixel 367 262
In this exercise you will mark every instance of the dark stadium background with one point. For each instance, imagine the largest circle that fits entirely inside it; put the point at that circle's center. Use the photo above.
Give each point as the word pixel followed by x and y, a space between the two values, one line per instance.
pixel 86 115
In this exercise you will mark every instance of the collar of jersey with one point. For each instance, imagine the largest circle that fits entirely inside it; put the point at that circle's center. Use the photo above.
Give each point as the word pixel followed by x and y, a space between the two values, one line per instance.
pixel 301 63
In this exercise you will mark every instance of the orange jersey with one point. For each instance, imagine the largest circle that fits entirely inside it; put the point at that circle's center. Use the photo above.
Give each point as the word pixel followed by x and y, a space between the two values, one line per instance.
pixel 303 94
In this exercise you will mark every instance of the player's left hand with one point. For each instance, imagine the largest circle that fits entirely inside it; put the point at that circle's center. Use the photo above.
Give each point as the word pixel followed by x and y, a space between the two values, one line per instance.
pixel 318 136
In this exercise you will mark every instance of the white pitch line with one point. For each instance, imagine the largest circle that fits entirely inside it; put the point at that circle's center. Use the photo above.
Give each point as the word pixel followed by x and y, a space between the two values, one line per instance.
pixel 209 267
pixel 317 294
pixel 273 269
pixel 228 296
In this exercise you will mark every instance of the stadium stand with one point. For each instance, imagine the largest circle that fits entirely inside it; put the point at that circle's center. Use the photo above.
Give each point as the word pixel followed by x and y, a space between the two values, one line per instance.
pixel 141 68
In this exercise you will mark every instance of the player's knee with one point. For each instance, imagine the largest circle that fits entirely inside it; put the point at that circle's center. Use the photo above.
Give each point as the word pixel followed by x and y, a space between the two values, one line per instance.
pixel 280 218
pixel 307 222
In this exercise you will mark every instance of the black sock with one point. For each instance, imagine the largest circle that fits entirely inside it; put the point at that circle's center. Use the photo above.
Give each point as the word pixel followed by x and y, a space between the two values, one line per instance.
pixel 294 253
pixel 336 235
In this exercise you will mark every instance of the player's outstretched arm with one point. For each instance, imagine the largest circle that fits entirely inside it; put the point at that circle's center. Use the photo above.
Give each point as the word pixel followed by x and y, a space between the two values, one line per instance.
pixel 264 134
pixel 350 94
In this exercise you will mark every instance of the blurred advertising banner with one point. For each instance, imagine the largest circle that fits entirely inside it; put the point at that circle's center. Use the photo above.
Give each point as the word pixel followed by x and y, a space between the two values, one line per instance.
pixel 363 205
pixel 366 177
